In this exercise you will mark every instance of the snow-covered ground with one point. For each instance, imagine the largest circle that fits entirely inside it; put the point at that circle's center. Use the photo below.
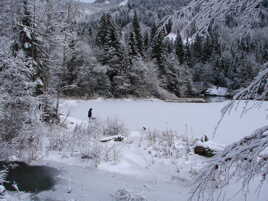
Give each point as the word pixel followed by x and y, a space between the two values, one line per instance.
pixel 141 167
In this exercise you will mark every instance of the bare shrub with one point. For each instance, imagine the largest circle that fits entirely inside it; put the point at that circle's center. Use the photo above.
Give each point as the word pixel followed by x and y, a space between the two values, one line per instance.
pixel 70 140
pixel 114 127
pixel 26 146
pixel 84 140
pixel 166 144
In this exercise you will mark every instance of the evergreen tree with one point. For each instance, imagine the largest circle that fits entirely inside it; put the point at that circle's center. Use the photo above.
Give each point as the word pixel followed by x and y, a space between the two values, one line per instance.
pixel 102 31
pixel 146 41
pixel 108 41
pixel 112 54
pixel 179 48
pixel 196 48
pixel 187 54
pixel 138 35
pixel 170 46
pixel 153 33
pixel 159 51
pixel 132 46
pixel 207 49
pixel 17 102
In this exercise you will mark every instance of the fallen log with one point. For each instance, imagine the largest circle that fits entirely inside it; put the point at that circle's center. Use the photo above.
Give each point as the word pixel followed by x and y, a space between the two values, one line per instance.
pixel 116 138
pixel 204 151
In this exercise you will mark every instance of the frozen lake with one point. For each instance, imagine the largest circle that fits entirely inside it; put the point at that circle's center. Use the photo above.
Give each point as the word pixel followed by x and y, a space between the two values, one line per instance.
pixel 192 119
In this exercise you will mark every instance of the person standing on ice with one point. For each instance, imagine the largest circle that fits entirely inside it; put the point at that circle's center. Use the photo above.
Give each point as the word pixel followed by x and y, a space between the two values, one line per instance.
pixel 89 114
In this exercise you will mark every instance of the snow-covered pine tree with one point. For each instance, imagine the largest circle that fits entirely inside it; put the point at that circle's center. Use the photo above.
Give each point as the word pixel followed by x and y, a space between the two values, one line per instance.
pixel 108 40
pixel 138 34
pixel 146 41
pixel 196 48
pixel 102 32
pixel 187 53
pixel 132 49
pixel 179 48
pixel 18 110
pixel 159 51
pixel 111 53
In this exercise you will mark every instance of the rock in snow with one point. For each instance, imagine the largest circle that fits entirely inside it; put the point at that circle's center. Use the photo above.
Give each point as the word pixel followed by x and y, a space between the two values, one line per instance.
pixel 204 151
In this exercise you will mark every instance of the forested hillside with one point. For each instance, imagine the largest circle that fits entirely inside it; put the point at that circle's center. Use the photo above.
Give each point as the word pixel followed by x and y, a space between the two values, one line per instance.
pixel 139 48
pixel 169 48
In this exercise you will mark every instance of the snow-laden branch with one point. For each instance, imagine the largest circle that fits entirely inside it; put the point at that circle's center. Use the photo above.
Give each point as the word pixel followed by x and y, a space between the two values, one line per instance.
pixel 243 160
pixel 258 89
pixel 2 176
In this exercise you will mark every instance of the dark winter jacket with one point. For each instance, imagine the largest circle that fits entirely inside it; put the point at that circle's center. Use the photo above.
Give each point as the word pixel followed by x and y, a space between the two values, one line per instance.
pixel 90 113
